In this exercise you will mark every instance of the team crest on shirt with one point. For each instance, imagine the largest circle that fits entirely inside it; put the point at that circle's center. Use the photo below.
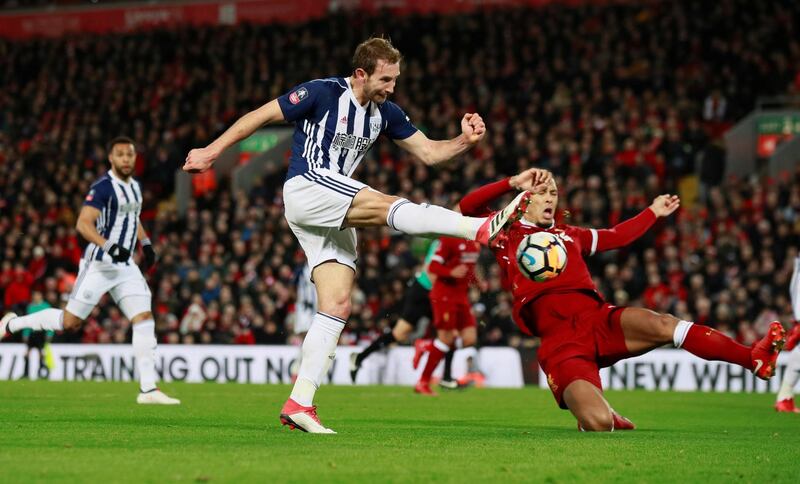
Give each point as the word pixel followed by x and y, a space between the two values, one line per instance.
pixel 375 125
pixel 298 95
pixel 563 236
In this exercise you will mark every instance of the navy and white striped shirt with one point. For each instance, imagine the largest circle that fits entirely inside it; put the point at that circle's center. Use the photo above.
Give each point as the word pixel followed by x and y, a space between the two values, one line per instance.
pixel 120 205
pixel 333 130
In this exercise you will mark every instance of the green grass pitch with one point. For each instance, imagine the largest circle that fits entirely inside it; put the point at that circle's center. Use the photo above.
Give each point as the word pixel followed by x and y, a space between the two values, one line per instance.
pixel 94 432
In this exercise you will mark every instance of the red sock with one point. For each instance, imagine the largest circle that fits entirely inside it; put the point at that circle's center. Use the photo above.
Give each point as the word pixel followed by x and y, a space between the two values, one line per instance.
pixel 710 344
pixel 435 355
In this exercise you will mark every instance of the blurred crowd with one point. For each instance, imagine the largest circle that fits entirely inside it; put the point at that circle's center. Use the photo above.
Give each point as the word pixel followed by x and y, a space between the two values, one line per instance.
pixel 622 103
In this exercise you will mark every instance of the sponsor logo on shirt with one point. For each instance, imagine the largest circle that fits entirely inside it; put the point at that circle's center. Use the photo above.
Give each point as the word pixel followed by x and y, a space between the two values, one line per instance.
pixel 344 141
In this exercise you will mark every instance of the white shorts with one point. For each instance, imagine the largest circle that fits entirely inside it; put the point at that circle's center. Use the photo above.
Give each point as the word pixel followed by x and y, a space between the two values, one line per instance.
pixel 315 206
pixel 125 283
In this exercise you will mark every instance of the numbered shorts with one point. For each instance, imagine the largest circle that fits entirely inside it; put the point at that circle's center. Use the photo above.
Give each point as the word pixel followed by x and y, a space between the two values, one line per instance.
pixel 450 316
pixel 125 284
pixel 315 206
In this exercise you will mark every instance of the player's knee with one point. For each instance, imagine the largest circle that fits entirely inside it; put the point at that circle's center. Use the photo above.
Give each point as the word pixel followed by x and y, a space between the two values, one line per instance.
pixel 597 421
pixel 468 340
pixel 338 308
pixel 665 327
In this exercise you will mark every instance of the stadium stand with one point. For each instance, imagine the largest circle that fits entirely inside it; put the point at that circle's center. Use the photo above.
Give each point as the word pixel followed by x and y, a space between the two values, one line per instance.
pixel 620 102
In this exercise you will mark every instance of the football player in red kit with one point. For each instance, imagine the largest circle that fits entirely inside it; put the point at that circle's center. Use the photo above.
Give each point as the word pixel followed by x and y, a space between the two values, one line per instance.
pixel 580 332
pixel 454 266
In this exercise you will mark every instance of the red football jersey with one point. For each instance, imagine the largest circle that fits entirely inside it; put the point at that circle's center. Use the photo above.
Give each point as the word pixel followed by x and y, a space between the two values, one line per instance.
pixel 451 253
pixel 577 240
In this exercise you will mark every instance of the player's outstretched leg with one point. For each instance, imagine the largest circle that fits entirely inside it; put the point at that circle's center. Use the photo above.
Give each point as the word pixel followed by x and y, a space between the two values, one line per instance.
pixel 356 359
pixel 44 320
pixel 645 330
pixel 424 219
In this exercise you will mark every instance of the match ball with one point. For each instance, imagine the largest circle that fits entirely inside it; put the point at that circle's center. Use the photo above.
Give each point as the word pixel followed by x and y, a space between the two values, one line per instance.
pixel 541 256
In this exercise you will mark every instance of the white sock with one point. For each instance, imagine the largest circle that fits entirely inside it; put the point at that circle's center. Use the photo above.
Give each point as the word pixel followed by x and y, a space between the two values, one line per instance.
pixel 791 376
pixel 319 350
pixel 441 345
pixel 414 219
pixel 144 349
pixel 681 330
pixel 44 320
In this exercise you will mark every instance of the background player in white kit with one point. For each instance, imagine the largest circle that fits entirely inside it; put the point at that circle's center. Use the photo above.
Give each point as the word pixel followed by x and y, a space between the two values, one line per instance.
pixel 784 402
pixel 109 221
pixel 337 120
pixel 305 308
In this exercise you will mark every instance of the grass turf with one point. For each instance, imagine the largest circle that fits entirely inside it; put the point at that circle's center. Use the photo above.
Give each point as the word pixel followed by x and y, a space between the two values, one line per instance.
pixel 90 432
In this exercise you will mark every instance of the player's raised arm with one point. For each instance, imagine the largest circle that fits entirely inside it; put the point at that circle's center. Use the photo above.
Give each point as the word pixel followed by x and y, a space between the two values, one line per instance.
pixel 628 231
pixel 432 152
pixel 476 203
pixel 201 159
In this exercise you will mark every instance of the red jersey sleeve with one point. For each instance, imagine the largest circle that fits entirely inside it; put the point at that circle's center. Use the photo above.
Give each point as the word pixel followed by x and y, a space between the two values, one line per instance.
pixel 622 234
pixel 476 203
pixel 439 264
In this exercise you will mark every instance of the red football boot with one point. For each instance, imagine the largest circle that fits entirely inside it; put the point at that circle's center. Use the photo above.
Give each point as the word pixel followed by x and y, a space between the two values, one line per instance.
pixel 297 416
pixel 421 346
pixel 424 388
pixel 792 338
pixel 786 406
pixel 497 222
pixel 622 423
pixel 764 353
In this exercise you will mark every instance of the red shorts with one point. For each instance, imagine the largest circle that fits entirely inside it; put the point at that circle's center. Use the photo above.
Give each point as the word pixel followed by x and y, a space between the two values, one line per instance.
pixel 580 334
pixel 450 316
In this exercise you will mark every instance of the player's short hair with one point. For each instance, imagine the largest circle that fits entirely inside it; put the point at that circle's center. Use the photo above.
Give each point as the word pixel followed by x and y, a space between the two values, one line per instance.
pixel 369 52
pixel 119 140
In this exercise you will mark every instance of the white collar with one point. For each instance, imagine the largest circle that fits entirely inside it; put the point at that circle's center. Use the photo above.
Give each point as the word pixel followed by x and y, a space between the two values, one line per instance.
pixel 531 224
pixel 115 177
pixel 353 95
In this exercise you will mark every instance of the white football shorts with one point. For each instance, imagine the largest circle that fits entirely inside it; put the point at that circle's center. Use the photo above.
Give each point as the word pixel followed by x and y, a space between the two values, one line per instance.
pixel 315 205
pixel 125 283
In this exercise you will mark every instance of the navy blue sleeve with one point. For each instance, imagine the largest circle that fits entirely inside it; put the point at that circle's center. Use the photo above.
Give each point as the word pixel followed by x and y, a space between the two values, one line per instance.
pixel 397 125
pixel 99 195
pixel 301 100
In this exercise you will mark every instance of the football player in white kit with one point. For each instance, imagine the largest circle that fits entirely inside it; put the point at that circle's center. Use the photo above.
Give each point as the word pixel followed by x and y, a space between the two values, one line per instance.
pixel 109 221
pixel 336 121
pixel 305 308
pixel 784 402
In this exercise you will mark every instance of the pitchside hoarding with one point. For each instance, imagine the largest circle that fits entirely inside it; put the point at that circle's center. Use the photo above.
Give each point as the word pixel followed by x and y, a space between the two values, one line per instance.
pixel 247 364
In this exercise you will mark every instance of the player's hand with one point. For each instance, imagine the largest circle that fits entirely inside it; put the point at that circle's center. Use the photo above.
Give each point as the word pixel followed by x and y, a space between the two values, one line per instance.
pixel 473 127
pixel 531 178
pixel 149 257
pixel 117 253
pixel 199 160
pixel 665 205
pixel 459 271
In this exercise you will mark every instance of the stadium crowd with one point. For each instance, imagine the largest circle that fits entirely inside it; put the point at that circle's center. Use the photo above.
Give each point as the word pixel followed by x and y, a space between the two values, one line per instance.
pixel 621 103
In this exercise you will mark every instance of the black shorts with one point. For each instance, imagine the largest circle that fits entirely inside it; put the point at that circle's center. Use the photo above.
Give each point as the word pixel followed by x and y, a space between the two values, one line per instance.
pixel 416 303
pixel 36 339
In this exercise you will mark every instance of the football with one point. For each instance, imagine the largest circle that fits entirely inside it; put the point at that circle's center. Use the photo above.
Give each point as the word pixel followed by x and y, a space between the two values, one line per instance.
pixel 541 256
